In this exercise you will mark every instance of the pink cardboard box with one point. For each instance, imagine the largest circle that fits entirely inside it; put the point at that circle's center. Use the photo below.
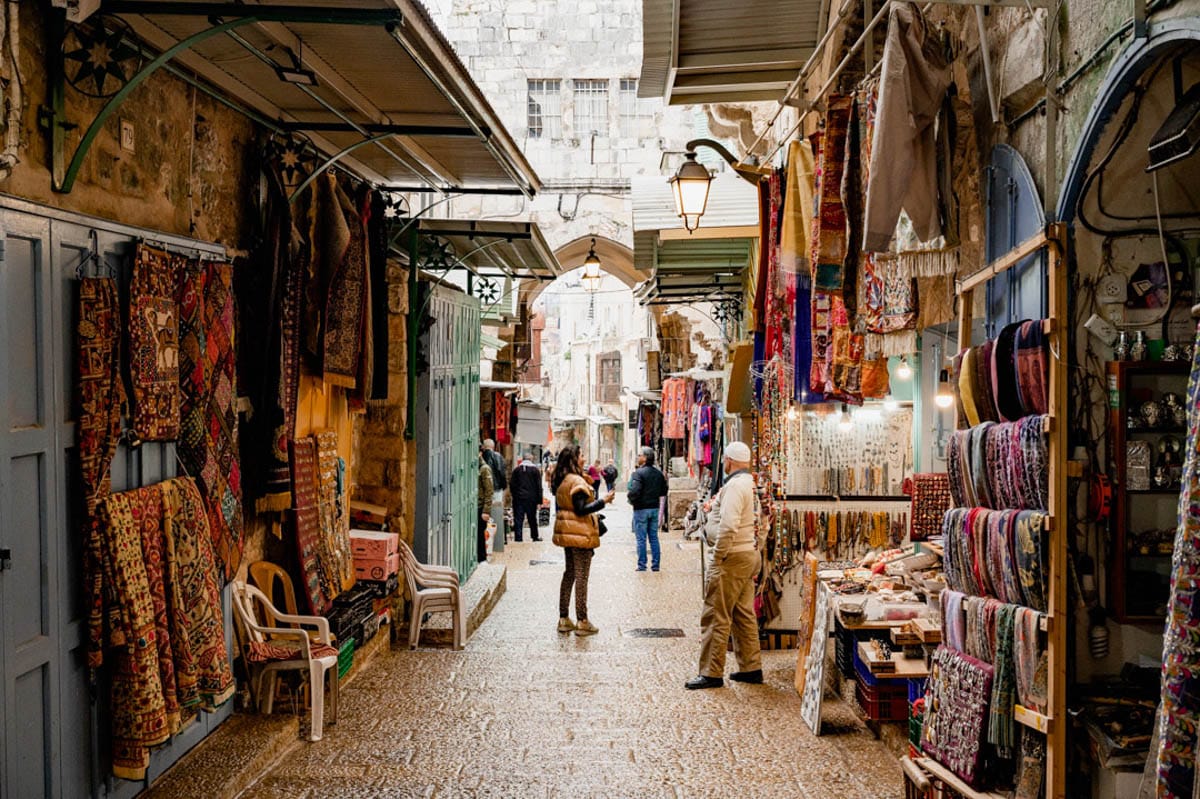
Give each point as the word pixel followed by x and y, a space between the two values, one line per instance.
pixel 370 545
pixel 376 568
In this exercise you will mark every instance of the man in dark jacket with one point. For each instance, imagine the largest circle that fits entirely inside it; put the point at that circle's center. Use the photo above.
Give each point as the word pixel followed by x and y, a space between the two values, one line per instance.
pixel 646 488
pixel 526 487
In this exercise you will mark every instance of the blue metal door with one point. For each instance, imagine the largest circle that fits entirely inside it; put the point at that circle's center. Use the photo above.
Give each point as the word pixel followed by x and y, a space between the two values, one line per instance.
pixel 1014 214
pixel 53 731
pixel 447 414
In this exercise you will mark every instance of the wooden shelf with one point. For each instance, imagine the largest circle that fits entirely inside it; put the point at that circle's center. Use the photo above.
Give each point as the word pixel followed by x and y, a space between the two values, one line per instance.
pixel 1032 719
pixel 900 668
pixel 943 774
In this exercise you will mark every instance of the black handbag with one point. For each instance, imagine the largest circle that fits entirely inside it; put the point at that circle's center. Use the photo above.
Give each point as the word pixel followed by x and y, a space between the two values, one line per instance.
pixel 600 523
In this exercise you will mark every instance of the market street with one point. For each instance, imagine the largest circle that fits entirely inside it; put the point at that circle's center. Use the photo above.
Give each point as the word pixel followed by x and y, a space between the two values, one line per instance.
pixel 526 712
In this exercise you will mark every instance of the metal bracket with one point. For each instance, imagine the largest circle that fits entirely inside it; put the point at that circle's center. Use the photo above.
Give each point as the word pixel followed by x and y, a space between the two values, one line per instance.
pixel 63 175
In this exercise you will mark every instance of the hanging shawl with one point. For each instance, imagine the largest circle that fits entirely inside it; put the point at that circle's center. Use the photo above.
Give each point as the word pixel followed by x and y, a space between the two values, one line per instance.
pixel 829 265
pixel 154 344
pixel 1001 732
pixel 794 244
pixel 269 290
pixel 346 318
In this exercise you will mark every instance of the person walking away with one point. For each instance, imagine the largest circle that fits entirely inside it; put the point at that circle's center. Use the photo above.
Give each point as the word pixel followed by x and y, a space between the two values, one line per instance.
pixel 729 587
pixel 577 531
pixel 499 483
pixel 484 502
pixel 526 488
pixel 609 473
pixel 646 488
pixel 595 476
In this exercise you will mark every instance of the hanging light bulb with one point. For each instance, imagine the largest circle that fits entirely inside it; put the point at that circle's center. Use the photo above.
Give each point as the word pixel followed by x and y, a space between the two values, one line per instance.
pixel 944 397
pixel 890 405
pixel 792 413
pixel 846 423
pixel 903 370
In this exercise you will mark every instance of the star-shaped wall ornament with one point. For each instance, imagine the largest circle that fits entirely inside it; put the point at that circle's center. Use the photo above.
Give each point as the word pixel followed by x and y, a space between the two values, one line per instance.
pixel 100 56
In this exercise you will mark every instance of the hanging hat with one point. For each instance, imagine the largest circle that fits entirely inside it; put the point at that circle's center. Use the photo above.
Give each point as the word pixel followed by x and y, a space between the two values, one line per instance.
pixel 737 452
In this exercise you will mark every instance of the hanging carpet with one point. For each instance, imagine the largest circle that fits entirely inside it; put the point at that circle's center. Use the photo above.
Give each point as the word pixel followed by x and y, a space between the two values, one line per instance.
pixel 154 344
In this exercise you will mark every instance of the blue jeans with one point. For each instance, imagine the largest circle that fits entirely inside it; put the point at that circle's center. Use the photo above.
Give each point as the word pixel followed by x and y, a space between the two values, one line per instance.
pixel 645 525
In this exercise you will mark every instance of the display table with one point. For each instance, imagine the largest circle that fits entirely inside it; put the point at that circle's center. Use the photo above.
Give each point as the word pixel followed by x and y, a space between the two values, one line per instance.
pixel 900 668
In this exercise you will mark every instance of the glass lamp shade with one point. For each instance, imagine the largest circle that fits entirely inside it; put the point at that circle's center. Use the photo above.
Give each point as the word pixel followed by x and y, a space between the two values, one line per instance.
pixel 944 397
pixel 690 186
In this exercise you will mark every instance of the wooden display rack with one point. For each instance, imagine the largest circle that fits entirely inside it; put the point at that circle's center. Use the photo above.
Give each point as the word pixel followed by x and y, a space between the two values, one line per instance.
pixel 1052 240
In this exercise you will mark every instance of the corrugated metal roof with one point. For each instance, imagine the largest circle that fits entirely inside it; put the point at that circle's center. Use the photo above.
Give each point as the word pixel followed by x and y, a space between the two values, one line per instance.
pixel 703 51
pixel 516 249
pixel 396 75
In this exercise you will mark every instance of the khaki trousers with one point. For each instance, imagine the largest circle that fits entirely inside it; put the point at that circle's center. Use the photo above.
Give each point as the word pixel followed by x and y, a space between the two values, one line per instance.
pixel 729 606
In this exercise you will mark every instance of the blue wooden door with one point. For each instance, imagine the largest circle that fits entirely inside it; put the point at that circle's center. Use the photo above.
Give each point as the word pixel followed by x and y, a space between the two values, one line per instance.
pixel 1014 214
pixel 448 430
pixel 53 728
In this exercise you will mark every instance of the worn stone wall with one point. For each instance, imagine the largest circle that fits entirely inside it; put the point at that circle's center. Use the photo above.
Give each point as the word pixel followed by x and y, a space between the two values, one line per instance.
pixel 385 461
pixel 192 169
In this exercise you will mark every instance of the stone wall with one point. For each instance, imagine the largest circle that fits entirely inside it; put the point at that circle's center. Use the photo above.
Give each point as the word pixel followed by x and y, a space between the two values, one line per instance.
pixel 385 461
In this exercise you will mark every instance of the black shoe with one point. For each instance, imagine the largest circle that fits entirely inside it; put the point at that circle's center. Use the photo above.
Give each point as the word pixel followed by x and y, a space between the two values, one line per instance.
pixel 537 538
pixel 752 677
pixel 704 682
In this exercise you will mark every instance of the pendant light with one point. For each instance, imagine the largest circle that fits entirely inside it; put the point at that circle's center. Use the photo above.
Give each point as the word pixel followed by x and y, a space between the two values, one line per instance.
pixel 846 422
pixel 903 370
pixel 944 397
pixel 591 269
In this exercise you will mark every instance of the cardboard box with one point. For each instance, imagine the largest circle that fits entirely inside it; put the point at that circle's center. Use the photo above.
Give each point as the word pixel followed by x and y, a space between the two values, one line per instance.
pixel 370 545
pixel 376 568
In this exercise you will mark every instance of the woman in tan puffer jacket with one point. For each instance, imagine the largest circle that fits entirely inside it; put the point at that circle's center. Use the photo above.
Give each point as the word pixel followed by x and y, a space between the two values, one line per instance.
pixel 577 530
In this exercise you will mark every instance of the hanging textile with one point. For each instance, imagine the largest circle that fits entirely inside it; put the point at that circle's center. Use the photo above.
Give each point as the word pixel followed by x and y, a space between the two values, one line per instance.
pixel 903 171
pixel 269 292
pixel 1179 717
pixel 100 395
pixel 208 443
pixel 165 637
pixel 674 408
pixel 502 408
pixel 830 242
pixel 762 286
pixel 335 513
pixel 345 305
pixel 1001 732
pixel 328 239
pixel 377 246
pixel 154 344
pixel 306 515
pixel 794 245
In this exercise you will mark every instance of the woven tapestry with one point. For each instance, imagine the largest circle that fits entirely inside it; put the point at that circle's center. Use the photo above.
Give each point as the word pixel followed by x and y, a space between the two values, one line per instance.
pixel 154 344
pixel 146 508
pixel 345 317
pixel 335 518
pixel 100 395
pixel 306 514
pixel 956 707
pixel 197 586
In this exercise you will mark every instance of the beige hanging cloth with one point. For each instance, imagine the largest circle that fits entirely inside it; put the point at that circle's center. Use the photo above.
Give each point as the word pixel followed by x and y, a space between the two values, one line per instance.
pixel 794 243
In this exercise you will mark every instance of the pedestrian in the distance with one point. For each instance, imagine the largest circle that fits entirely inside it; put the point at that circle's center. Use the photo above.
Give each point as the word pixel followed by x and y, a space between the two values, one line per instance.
pixel 577 530
pixel 595 475
pixel 484 502
pixel 526 487
pixel 646 488
pixel 729 587
pixel 499 482
pixel 609 473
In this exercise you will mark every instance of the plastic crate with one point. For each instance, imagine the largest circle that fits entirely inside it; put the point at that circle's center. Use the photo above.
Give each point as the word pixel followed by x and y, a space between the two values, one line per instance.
pixel 345 657
pixel 916 688
pixel 891 687
pixel 916 721
pixel 879 706
pixel 846 645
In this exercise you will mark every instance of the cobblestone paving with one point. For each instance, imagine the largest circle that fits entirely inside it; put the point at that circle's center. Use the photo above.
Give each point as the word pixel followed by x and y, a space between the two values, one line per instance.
pixel 526 712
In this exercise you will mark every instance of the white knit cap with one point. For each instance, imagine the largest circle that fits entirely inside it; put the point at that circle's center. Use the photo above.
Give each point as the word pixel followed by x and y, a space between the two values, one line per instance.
pixel 737 452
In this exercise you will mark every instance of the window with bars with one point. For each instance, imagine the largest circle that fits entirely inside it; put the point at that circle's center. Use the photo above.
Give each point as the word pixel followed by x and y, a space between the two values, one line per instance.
pixel 544 109
pixel 591 107
pixel 608 377
pixel 629 105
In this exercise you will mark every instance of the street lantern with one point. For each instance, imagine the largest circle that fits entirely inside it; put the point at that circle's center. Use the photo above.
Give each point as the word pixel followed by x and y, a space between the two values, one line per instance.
pixel 690 185
pixel 591 269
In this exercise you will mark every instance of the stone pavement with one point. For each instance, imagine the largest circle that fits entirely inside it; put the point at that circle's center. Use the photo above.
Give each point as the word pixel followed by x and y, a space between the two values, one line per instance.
pixel 526 712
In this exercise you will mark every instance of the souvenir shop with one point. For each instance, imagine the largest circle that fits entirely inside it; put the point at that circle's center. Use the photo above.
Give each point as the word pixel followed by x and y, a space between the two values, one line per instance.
pixel 974 451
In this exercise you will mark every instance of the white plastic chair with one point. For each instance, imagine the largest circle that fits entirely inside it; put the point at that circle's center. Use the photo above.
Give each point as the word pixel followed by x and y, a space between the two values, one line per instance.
pixel 432 589
pixel 294 638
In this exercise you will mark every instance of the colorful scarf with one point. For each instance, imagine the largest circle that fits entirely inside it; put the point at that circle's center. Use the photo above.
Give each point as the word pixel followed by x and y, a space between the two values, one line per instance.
pixel 794 244
pixel 154 344
pixel 1001 732
pixel 1179 719
pixel 1029 660
pixel 1030 558
pixel 829 265
pixel 1032 365
pixel 100 395
pixel 1004 374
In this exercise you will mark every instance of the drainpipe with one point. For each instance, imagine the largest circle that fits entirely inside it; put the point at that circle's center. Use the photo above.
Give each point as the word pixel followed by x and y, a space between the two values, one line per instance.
pixel 11 32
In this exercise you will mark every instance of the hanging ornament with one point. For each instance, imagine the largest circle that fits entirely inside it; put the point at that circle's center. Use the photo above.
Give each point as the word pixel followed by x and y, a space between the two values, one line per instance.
pixel 293 158
pixel 100 56
pixel 488 291
pixel 435 254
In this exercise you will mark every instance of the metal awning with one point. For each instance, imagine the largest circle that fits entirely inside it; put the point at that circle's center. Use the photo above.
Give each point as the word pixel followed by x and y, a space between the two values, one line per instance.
pixel 494 342
pixel 601 421
pixel 706 265
pixel 711 51
pixel 495 249
pixel 372 84
pixel 498 385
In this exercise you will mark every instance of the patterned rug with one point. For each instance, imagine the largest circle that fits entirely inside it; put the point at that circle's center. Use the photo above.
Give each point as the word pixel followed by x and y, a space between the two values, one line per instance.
pixel 306 514
pixel 154 344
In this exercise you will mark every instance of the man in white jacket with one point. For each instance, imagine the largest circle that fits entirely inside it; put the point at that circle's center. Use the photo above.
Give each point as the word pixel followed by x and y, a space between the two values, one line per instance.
pixel 729 587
